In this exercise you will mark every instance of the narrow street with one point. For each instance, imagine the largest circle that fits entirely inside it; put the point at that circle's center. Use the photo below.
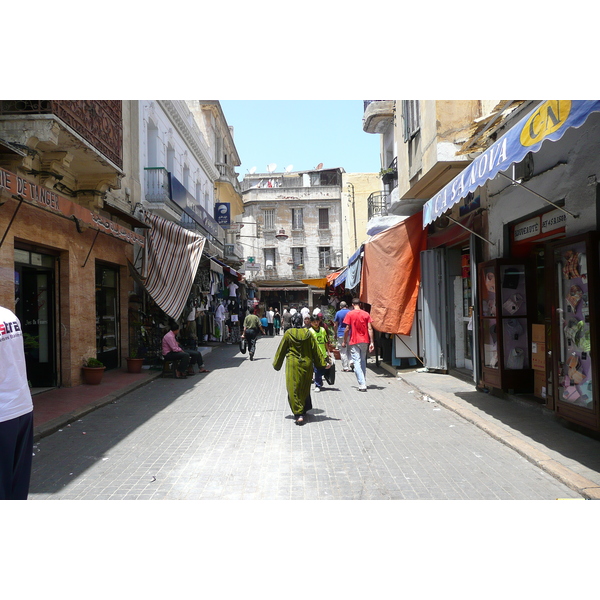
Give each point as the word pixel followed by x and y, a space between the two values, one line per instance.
pixel 229 434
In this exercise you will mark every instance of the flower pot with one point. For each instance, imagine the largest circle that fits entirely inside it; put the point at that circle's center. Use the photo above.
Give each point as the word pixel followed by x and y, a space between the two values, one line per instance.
pixel 93 375
pixel 134 365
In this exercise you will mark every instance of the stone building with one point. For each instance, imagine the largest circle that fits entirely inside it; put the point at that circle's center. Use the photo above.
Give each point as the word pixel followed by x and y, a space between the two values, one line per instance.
pixel 292 233
pixel 68 185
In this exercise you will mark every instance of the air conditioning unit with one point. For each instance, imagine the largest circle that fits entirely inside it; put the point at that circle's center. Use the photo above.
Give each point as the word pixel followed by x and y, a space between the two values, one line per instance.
pixel 268 264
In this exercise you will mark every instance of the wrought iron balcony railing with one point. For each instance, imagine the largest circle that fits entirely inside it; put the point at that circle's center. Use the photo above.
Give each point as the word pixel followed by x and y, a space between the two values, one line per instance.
pixel 377 204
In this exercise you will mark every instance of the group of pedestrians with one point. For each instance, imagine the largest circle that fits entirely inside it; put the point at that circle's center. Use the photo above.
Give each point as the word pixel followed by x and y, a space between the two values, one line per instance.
pixel 306 352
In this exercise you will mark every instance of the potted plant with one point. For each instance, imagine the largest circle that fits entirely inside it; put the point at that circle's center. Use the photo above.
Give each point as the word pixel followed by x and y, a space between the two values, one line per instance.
pixel 93 370
pixel 135 360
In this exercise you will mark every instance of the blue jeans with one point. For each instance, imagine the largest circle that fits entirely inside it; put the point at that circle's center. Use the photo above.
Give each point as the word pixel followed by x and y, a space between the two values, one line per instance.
pixel 319 376
pixel 358 354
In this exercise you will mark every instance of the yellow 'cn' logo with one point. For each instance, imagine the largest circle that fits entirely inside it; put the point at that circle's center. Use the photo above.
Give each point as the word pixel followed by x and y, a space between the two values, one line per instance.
pixel 549 117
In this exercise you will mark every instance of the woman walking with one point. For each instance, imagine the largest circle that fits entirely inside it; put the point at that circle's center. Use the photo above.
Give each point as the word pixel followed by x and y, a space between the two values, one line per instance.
pixel 300 349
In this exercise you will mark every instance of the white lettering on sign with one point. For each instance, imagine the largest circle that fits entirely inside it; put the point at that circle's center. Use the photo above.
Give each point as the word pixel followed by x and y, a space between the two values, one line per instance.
pixel 527 229
pixel 555 219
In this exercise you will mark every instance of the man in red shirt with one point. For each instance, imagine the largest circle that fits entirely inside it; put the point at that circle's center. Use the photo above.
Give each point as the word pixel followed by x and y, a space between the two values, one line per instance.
pixel 359 332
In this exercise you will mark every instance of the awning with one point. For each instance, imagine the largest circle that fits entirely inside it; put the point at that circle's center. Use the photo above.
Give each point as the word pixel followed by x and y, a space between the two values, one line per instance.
pixel 173 256
pixel 352 270
pixel 548 121
pixel 391 275
pixel 224 267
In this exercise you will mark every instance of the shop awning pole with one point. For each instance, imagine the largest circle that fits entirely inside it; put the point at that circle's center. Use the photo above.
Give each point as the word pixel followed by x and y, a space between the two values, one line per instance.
pixel 88 255
pixel 540 196
pixel 20 199
pixel 470 230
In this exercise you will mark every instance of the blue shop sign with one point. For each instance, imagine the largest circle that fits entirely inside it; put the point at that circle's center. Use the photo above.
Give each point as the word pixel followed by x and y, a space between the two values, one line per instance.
pixel 548 121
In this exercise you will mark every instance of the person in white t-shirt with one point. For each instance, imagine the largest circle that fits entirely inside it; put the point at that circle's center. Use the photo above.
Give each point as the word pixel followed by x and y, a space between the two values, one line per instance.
pixel 270 316
pixel 16 411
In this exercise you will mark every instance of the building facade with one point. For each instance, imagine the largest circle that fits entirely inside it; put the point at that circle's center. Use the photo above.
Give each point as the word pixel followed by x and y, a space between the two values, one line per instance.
pixel 510 205
pixel 292 233
pixel 187 159
pixel 68 185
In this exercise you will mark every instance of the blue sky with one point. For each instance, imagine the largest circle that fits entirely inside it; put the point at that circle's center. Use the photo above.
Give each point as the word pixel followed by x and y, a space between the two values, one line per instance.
pixel 302 133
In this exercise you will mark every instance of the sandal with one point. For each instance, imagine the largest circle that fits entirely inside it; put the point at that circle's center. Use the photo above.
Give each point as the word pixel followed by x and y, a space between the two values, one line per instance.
pixel 179 375
pixel 203 371
pixel 299 420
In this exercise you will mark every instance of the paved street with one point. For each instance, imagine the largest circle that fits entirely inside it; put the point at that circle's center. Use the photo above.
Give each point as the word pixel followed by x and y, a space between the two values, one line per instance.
pixel 229 434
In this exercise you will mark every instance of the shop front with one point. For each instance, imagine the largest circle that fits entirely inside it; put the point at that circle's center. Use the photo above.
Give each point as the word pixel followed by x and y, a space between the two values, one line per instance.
pixel 64 270
pixel 535 327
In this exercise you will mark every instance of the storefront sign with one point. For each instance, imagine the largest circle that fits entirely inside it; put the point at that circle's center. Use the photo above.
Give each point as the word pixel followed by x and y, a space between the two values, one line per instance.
pixel 53 202
pixel 548 121
pixel 222 214
pixel 527 229
pixel 539 227
pixel 555 219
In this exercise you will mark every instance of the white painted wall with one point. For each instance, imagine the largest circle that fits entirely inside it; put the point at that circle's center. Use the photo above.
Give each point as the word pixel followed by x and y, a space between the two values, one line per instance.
pixel 567 170
pixel 179 146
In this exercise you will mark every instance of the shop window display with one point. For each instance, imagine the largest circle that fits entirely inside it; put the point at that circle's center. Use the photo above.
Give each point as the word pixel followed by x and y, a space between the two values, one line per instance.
pixel 504 328
pixel 573 320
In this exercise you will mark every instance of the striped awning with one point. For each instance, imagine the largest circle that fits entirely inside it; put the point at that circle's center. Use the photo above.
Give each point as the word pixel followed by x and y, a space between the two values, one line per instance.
pixel 172 257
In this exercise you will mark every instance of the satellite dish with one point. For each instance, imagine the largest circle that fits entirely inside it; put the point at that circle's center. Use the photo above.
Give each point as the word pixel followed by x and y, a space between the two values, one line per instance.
pixel 271 167
pixel 252 170
pixel 319 166
pixel 289 168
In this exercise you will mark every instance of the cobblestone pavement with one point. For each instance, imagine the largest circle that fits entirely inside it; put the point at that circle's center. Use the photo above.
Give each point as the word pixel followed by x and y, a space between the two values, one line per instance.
pixel 229 434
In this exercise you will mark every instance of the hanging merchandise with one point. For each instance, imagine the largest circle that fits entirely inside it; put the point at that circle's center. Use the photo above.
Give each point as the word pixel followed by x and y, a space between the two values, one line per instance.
pixel 574 297
pixel 513 304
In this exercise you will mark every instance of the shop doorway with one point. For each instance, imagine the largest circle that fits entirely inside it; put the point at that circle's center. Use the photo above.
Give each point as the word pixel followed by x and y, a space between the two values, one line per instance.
pixel 35 308
pixel 107 316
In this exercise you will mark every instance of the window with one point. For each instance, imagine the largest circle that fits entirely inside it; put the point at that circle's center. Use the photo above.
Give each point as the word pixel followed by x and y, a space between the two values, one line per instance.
pixel 411 117
pixel 297 219
pixel 269 216
pixel 324 258
pixel 298 257
pixel 323 218
pixel 269 258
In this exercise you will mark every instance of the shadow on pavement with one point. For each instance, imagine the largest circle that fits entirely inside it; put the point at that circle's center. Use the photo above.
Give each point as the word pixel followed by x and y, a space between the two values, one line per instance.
pixel 547 429
pixel 87 440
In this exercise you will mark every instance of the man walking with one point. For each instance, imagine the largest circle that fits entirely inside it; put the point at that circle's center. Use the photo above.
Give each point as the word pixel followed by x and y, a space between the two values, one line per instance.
pixel 305 311
pixel 270 318
pixel 16 411
pixel 340 328
pixel 359 335
pixel 286 319
pixel 252 325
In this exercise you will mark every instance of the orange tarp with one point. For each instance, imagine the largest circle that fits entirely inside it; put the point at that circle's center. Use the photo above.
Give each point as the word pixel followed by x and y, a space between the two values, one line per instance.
pixel 391 273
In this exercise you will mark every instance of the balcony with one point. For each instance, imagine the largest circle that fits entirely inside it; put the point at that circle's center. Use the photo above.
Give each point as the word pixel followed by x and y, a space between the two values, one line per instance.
pixel 228 175
pixel 78 143
pixel 378 115
pixel 389 176
pixel 99 122
pixel 378 204
pixel 158 194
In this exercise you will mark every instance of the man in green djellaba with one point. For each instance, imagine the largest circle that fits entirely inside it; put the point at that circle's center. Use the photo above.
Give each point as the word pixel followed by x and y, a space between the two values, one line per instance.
pixel 300 349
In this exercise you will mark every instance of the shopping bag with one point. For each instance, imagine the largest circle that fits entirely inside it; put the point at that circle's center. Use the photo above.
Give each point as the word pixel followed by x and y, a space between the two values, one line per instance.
pixel 329 374
pixel 243 345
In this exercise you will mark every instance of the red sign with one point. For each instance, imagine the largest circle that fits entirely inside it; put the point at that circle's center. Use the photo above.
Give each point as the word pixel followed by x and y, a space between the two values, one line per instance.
pixel 51 201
